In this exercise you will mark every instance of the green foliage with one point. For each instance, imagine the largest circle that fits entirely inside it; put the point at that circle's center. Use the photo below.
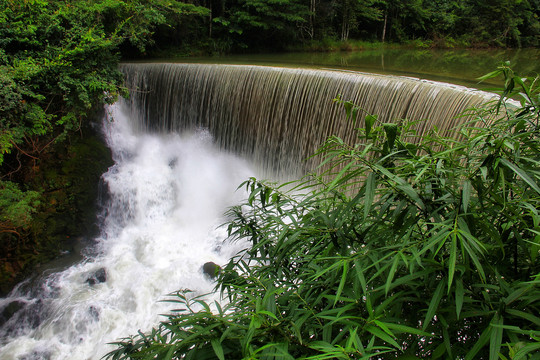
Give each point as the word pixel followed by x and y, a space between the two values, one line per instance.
pixel 261 23
pixel 58 63
pixel 58 59
pixel 16 206
pixel 399 247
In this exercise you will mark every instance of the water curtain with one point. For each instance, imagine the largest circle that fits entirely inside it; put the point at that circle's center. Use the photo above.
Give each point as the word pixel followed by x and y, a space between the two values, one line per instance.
pixel 278 117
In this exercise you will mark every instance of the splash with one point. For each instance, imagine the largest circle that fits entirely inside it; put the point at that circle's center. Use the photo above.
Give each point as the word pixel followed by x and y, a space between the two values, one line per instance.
pixel 167 194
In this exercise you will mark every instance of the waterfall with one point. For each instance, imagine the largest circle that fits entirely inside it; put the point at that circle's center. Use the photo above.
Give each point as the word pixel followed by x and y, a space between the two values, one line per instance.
pixel 279 117
pixel 182 143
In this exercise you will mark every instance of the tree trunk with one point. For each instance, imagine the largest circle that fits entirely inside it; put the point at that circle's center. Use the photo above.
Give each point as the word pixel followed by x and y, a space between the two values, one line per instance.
pixel 312 9
pixel 384 26
pixel 345 24
pixel 210 25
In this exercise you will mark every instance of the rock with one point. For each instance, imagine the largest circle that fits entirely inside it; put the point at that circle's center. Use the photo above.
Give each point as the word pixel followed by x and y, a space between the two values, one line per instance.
pixel 100 276
pixel 211 269
pixel 11 309
pixel 19 317
pixel 94 313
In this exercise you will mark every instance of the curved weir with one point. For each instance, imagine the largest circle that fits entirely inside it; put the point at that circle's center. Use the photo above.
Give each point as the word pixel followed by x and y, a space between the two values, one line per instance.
pixel 176 143
pixel 280 116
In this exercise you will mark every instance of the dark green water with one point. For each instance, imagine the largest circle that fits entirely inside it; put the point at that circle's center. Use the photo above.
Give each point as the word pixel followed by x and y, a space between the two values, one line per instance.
pixel 460 66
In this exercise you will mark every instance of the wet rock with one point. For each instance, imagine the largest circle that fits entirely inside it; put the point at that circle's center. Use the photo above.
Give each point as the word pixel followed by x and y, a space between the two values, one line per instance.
pixel 211 269
pixel 94 313
pixel 36 355
pixel 11 309
pixel 23 317
pixel 100 276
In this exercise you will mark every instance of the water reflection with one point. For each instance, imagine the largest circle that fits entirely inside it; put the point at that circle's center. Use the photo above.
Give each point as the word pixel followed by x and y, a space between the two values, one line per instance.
pixel 457 66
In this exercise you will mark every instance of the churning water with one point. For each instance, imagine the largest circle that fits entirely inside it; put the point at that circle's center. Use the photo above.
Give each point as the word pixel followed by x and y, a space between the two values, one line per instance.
pixel 167 194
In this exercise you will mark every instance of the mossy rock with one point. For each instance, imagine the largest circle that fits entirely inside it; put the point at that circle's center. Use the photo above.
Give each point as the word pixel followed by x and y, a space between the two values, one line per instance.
pixel 68 178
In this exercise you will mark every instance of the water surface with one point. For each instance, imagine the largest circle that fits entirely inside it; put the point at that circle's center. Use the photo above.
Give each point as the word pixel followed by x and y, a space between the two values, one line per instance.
pixel 456 66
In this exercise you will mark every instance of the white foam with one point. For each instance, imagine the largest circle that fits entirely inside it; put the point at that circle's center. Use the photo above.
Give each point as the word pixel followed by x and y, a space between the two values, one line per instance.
pixel 168 194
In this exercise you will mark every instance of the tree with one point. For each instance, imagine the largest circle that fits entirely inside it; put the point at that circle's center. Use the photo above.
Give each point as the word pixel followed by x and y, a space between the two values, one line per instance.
pixel 58 63
pixel 264 23
pixel 502 22
pixel 354 12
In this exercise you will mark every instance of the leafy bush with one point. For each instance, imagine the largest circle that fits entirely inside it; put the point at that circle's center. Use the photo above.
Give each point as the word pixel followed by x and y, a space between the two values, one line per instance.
pixel 58 63
pixel 400 247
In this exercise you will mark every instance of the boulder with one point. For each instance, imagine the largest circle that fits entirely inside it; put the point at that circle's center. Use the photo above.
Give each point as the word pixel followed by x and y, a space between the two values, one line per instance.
pixel 99 276
pixel 211 269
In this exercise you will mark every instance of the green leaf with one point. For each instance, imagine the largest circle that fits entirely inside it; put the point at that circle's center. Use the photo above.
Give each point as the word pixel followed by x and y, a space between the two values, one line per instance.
pixel 218 349
pixel 391 131
pixel 342 281
pixel 370 194
pixel 433 305
pixel 382 335
pixel 452 261
pixel 459 296
pixel 383 326
pixel 268 313
pixel 496 337
pixel 348 108
pixel 466 195
pixel 406 329
pixel 338 176
pixel 521 173
pixel 370 121
pixel 525 315
pixel 530 348
pixel 480 343
pixel 391 274
pixel 170 354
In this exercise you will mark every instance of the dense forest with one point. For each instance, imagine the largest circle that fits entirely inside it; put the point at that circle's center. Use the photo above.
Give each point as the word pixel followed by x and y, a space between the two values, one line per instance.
pixel 58 66
pixel 279 24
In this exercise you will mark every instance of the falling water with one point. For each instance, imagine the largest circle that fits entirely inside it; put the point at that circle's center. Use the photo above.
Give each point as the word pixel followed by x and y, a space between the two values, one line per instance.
pixel 279 116
pixel 175 173
pixel 167 194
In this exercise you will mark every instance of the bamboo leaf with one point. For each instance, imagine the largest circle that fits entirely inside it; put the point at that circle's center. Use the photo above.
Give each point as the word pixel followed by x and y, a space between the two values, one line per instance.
pixel 383 326
pixel 268 313
pixel 433 305
pixel 382 335
pixel 170 354
pixel 342 281
pixel 218 349
pixel 480 343
pixel 369 121
pixel 338 176
pixel 406 329
pixel 524 315
pixel 391 131
pixel 452 261
pixel 391 274
pixel 459 297
pixel 360 275
pixel 495 340
pixel 530 348
pixel 466 195
pixel 521 173
pixel 370 194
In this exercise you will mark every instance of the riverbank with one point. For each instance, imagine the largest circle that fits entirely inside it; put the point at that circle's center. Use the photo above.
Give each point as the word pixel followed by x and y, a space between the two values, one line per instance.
pixel 67 179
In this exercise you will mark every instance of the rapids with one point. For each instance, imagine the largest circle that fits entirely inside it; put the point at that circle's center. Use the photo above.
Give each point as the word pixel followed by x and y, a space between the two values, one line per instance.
pixel 167 194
